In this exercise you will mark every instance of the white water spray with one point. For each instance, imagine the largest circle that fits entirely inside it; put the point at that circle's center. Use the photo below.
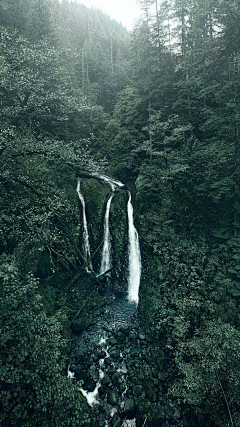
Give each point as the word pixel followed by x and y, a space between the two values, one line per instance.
pixel 106 252
pixel 86 245
pixel 92 397
pixel 134 256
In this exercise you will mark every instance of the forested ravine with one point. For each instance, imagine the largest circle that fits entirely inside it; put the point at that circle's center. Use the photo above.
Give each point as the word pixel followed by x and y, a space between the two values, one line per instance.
pixel 120 215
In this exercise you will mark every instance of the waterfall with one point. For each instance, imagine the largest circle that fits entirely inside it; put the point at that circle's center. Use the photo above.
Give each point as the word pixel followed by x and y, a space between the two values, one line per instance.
pixel 86 245
pixel 134 269
pixel 106 253
pixel 134 255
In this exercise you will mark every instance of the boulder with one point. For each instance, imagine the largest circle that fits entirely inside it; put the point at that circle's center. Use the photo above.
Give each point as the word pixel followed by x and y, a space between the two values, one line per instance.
pixel 141 336
pixel 129 408
pixel 132 336
pixel 120 337
pixel 89 385
pixel 116 377
pixel 113 397
pixel 106 380
pixel 94 372
pixel 124 329
pixel 111 370
pixel 108 361
pixel 138 390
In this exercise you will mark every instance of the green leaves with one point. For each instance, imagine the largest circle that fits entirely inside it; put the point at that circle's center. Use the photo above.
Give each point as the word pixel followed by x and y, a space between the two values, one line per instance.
pixel 209 365
pixel 33 373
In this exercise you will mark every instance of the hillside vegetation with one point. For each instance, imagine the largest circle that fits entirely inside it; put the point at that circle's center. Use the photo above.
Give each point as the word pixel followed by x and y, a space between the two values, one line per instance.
pixel 158 109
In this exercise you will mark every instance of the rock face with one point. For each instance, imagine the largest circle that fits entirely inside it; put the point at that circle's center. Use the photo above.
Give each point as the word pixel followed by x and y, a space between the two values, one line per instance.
pixel 132 383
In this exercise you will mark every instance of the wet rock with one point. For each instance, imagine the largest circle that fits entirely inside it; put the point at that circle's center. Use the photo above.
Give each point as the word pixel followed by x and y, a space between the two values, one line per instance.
pixel 124 330
pixel 138 390
pixel 141 336
pixel 113 397
pixel 102 392
pixel 106 381
pixel 94 358
pixel 151 394
pixel 116 377
pixel 94 372
pixel 129 392
pixel 101 354
pixel 120 337
pixel 101 408
pixel 114 354
pixel 134 380
pixel 132 336
pixel 89 386
pixel 129 408
pixel 80 374
pixel 122 387
pixel 123 368
pixel 111 370
pixel 108 361
pixel 134 352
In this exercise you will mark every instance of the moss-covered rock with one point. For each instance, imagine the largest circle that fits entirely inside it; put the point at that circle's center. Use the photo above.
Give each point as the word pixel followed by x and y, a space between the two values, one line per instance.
pixel 113 397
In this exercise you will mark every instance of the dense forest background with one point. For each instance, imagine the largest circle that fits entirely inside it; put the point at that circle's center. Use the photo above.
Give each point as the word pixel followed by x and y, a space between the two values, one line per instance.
pixel 159 109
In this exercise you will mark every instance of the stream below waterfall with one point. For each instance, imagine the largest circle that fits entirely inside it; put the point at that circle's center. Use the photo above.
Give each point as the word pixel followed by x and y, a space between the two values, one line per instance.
pixel 117 368
pixel 103 355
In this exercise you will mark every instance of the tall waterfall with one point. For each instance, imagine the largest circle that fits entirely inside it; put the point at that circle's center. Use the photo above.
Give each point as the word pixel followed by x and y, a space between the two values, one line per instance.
pixel 134 255
pixel 86 245
pixel 106 252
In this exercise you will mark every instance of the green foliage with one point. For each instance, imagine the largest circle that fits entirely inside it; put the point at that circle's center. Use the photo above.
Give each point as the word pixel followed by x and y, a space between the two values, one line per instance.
pixel 209 372
pixel 35 389
pixel 159 110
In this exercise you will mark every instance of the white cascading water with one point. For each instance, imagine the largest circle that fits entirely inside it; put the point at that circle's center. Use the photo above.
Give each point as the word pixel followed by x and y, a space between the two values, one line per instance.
pixel 86 245
pixel 112 182
pixel 92 397
pixel 106 252
pixel 134 255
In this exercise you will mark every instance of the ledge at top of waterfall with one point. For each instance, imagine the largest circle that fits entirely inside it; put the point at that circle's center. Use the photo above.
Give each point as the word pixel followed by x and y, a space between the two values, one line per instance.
pixel 112 182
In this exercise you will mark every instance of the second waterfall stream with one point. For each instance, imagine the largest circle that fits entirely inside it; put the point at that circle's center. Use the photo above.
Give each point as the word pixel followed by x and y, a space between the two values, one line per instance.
pixel 134 255
pixel 106 252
